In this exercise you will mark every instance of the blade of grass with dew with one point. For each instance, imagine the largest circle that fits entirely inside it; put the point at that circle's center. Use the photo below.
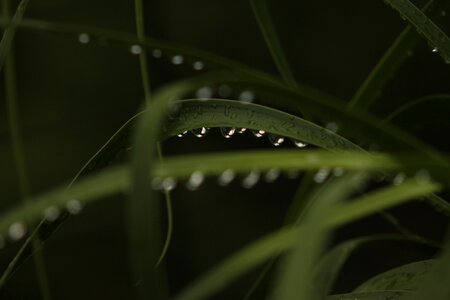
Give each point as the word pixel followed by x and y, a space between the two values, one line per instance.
pixel 394 57
pixel 267 28
pixel 287 238
pixel 330 265
pixel 435 286
pixel 438 40
pixel 406 278
pixel 7 60
pixel 294 278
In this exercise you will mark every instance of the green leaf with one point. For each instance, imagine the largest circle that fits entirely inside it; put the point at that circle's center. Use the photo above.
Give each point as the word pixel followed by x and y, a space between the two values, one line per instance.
pixel 425 26
pixel 405 278
pixel 383 295
pixel 262 13
pixel 286 239
pixel 394 57
pixel 329 267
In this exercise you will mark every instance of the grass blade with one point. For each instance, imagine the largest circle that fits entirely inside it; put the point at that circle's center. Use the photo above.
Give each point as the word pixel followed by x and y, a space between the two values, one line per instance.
pixel 394 57
pixel 262 14
pixel 384 295
pixel 286 239
pixel 438 40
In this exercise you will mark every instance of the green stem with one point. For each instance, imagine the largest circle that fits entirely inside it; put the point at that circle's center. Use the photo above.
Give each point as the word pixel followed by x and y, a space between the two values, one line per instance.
pixel 17 143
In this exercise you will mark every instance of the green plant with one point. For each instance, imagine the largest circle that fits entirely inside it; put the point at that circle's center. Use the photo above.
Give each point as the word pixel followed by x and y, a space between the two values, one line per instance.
pixel 301 264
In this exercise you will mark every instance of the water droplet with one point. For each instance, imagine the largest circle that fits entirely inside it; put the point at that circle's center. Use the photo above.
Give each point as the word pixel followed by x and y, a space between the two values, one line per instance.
pixel 399 179
pixel 241 130
pixel 227 132
pixel 181 134
pixel 258 133
pixel 198 65
pixel 272 175
pixel 321 175
pixel 332 127
pixel 51 213
pixel 195 180
pixel 224 91
pixel 443 13
pixel 17 231
pixel 177 59
pixel 84 38
pixel 135 49
pixel 251 179
pixel 247 96
pixel 276 140
pixel 74 207
pixel 299 144
pixel 422 176
pixel 168 184
pixel 435 50
pixel 157 53
pixel 338 172
pixel 226 177
pixel 200 132
pixel 292 174
pixel 204 92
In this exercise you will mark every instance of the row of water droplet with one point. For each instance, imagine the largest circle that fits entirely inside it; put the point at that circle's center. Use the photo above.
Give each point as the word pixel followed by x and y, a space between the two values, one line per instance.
pixel 18 229
pixel 228 132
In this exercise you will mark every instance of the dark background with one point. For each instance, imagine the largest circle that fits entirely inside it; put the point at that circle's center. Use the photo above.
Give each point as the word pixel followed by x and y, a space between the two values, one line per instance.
pixel 74 96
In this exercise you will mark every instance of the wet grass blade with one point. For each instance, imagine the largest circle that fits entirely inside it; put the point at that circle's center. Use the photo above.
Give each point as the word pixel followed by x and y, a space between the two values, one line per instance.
pixel 285 239
pixel 437 39
pixel 262 13
pixel 406 278
pixel 394 57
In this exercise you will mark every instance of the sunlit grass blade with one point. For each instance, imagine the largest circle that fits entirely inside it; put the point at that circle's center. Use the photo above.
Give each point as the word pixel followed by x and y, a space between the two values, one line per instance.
pixel 263 16
pixel 406 278
pixel 437 39
pixel 258 252
pixel 294 278
pixel 394 57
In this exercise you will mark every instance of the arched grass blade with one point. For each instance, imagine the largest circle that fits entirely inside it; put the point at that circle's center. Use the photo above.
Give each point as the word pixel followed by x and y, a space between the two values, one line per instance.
pixel 285 239
pixel 262 14
pixel 394 57
pixel 438 40
pixel 405 278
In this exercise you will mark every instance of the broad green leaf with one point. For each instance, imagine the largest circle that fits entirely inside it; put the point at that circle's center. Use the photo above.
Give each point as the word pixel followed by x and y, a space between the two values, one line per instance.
pixel 394 57
pixel 329 267
pixel 287 238
pixel 263 16
pixel 438 40
pixel 405 278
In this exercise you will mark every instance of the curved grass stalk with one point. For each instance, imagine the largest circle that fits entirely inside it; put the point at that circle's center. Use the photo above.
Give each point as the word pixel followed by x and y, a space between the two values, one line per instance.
pixel 394 57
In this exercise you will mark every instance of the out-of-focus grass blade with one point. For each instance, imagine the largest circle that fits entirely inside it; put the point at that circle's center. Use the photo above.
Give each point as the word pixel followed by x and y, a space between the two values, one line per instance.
pixel 438 40
pixel 294 280
pixel 10 32
pixel 405 278
pixel 328 268
pixel 397 53
pixel 285 239
pixel 263 16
